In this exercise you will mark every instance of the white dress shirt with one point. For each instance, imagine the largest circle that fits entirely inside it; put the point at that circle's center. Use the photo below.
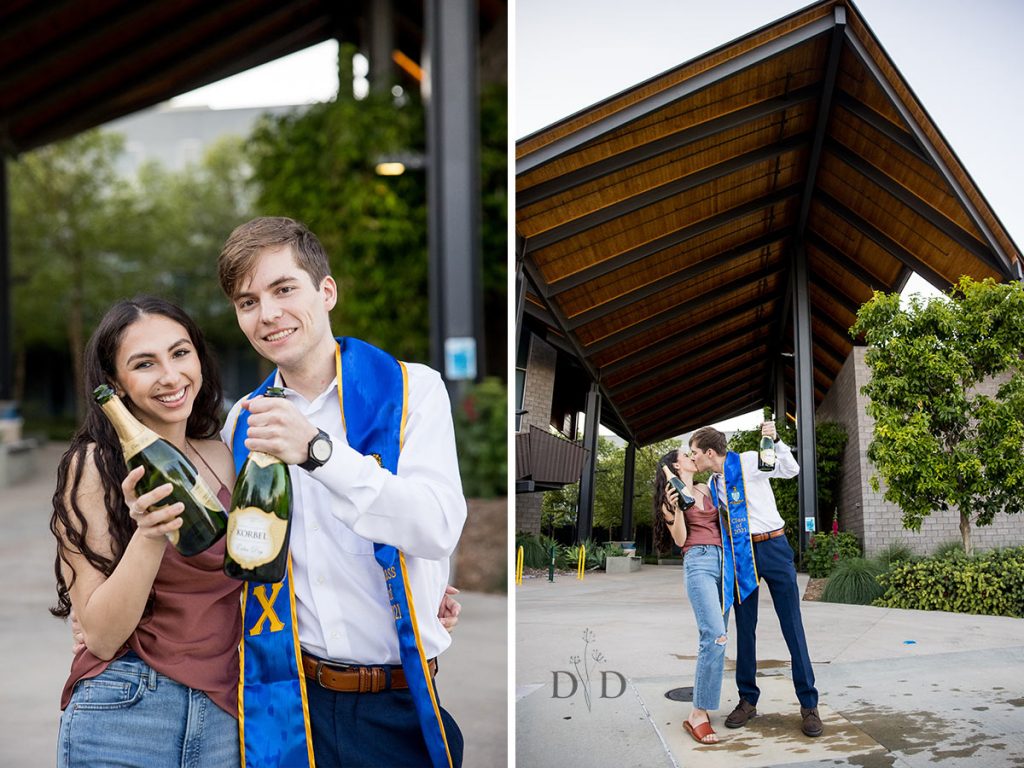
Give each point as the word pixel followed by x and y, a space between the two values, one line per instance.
pixel 762 512
pixel 341 508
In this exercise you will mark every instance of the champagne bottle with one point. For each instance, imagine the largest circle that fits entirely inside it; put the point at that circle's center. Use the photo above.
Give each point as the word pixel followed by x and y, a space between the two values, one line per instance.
pixel 259 524
pixel 766 450
pixel 685 499
pixel 204 518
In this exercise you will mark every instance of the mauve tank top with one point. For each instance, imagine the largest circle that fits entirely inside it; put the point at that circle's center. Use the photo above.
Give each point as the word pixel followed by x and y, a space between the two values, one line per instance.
pixel 702 524
pixel 193 632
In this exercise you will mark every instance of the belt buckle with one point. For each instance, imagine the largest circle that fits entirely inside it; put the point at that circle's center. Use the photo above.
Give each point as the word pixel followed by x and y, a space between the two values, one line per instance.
pixel 320 664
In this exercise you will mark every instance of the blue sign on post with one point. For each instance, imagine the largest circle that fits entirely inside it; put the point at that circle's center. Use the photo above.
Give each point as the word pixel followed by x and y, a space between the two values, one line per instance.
pixel 809 524
pixel 460 358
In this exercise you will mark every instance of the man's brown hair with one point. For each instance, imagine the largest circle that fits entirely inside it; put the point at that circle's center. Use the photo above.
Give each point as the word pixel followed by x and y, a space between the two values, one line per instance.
pixel 709 437
pixel 238 256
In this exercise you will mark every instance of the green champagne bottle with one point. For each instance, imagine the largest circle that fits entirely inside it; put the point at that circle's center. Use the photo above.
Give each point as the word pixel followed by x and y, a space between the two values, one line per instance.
pixel 204 519
pixel 259 524
pixel 766 450
pixel 685 499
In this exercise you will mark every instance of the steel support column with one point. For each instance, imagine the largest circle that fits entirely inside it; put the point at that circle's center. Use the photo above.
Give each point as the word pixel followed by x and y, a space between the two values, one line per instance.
pixel 807 479
pixel 6 305
pixel 628 472
pixel 585 516
pixel 453 184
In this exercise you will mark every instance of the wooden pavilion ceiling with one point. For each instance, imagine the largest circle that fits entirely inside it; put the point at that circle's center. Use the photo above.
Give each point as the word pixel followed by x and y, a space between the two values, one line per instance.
pixel 69 65
pixel 659 230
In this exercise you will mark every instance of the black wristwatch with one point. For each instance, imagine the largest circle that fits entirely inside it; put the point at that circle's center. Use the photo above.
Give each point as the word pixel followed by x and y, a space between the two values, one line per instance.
pixel 320 449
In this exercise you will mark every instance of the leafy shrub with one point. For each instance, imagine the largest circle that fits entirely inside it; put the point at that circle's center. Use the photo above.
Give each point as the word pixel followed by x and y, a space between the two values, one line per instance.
pixel 892 554
pixel 854 581
pixel 951 549
pixel 480 432
pixel 536 549
pixel 990 584
pixel 826 550
pixel 569 557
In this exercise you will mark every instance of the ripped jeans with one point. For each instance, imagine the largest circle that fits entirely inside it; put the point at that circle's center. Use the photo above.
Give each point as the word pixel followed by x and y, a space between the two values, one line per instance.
pixel 703 568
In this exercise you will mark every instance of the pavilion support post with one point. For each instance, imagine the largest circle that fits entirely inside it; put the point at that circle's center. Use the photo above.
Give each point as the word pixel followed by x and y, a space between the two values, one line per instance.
pixel 585 516
pixel 806 458
pixel 628 473
pixel 780 392
pixel 6 305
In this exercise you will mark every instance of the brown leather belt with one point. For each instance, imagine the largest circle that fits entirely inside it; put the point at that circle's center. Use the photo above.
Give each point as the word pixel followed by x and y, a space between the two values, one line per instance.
pixel 757 538
pixel 354 679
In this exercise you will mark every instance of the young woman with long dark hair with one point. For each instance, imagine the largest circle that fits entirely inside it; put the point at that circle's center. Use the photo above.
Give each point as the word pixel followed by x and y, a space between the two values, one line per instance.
pixel 156 681
pixel 697 532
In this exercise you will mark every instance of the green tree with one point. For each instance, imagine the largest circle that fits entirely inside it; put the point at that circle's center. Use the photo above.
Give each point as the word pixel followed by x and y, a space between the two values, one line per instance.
pixel 73 232
pixel 186 217
pixel 938 442
pixel 318 166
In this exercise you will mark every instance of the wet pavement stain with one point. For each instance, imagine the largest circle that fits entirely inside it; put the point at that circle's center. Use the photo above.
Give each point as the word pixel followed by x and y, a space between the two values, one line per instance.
pixel 784 730
pixel 912 733
pixel 1015 702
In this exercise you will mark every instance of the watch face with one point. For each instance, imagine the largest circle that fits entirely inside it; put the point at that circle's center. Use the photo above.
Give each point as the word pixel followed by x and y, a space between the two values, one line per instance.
pixel 321 449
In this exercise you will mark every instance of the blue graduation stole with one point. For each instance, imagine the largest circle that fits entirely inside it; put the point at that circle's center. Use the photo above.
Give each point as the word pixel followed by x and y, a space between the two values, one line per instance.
pixel 739 571
pixel 273 714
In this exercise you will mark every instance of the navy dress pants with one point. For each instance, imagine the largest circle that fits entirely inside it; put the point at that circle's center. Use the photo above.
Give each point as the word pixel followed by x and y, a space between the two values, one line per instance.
pixel 372 729
pixel 774 559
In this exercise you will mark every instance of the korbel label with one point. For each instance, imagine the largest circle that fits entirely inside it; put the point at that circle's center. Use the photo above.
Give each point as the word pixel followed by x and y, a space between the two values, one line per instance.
pixel 254 537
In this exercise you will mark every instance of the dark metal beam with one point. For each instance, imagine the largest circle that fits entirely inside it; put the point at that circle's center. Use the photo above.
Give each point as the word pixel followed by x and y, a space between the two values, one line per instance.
pixel 670 281
pixel 836 295
pixel 706 417
pixel 6 305
pixel 949 228
pixel 720 343
pixel 453 140
pixel 883 241
pixel 673 93
pixel 807 479
pixel 720 294
pixel 535 278
pixel 824 112
pixel 672 189
pixel 659 244
pixel 662 146
pixel 719 349
pixel 734 389
pixel 585 514
pixel 642 354
pixel 628 476
pixel 934 157
pixel 845 262
pixel 892 132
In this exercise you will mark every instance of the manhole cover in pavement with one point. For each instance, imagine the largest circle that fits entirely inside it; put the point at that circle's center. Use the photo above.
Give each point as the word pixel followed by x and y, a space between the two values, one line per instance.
pixel 680 694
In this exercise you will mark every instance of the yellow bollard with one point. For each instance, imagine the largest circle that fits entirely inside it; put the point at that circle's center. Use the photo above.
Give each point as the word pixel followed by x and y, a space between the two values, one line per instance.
pixel 519 566
pixel 582 563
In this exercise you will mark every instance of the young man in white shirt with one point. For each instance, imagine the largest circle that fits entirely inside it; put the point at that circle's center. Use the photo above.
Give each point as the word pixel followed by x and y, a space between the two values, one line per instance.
pixel 347 504
pixel 738 483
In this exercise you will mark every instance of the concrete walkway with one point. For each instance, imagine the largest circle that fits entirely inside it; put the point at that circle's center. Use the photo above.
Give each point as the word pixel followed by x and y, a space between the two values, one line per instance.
pixel 35 647
pixel 897 687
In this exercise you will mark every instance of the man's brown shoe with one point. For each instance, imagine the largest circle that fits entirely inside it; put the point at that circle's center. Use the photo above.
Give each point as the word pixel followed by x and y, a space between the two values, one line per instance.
pixel 739 716
pixel 812 723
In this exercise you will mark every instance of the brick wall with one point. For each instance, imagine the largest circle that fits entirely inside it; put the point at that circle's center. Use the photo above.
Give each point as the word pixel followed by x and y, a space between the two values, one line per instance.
pixel 538 392
pixel 876 522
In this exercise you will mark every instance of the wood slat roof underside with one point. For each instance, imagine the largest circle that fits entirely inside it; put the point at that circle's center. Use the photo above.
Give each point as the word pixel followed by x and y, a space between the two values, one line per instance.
pixel 657 229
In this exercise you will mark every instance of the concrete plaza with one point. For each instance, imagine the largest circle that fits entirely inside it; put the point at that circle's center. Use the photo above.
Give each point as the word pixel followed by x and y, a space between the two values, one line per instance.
pixel 35 648
pixel 899 688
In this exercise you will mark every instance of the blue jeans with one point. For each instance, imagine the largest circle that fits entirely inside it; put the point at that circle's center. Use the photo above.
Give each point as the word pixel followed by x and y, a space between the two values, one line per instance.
pixel 774 559
pixel 130 716
pixel 703 567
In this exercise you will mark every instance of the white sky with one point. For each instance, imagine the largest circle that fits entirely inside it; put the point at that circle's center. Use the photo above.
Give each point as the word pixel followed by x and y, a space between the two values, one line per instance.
pixel 963 60
pixel 301 78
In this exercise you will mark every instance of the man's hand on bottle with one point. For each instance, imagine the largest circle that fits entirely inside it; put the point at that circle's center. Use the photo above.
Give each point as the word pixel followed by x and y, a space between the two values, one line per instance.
pixel 768 428
pixel 276 427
